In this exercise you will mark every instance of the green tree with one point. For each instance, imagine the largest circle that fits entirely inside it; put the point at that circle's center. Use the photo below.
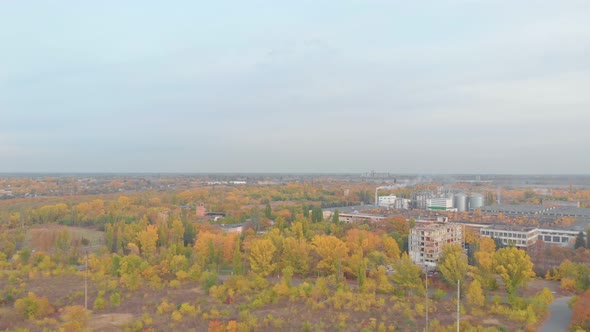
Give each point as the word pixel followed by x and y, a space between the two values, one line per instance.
pixel 336 217
pixel 514 267
pixel 268 211
pixel 580 241
pixel 316 214
pixel 305 210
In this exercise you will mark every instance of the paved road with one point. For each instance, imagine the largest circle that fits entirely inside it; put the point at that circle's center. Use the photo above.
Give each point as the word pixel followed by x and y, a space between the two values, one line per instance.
pixel 559 316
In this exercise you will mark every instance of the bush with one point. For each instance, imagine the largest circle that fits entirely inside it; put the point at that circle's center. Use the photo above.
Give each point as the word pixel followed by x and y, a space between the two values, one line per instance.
pixel 74 318
pixel 208 279
pixel 165 307
pixel 115 299
pixel 32 306
pixel 187 309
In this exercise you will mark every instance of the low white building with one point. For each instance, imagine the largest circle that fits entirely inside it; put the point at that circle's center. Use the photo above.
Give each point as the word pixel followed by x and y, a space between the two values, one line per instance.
pixel 518 236
pixel 439 203
pixel 562 237
pixel 386 201
pixel 524 237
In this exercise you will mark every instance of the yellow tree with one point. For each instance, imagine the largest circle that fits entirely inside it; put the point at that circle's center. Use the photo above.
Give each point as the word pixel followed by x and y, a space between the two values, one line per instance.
pixel 391 248
pixel 362 239
pixel 332 251
pixel 475 295
pixel 148 239
pixel 407 275
pixel 296 255
pixel 260 255
pixel 208 249
pixel 453 264
pixel 484 259
pixel 514 267
pixel 177 233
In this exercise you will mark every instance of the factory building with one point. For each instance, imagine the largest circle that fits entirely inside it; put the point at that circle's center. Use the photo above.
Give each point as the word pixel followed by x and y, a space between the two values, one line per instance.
pixel 402 203
pixel 386 201
pixel 439 203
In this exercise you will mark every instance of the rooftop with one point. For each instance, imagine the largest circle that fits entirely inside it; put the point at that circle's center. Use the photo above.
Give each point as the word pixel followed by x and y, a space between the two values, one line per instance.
pixel 512 228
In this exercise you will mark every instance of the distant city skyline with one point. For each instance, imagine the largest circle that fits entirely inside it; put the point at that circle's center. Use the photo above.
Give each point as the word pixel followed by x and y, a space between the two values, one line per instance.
pixel 436 87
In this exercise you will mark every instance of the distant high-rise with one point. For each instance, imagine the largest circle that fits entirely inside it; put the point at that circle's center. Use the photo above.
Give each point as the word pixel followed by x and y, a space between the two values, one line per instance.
pixel 201 210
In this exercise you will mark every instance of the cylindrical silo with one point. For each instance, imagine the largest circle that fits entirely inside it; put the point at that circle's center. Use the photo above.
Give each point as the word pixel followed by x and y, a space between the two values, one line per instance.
pixel 460 202
pixel 475 201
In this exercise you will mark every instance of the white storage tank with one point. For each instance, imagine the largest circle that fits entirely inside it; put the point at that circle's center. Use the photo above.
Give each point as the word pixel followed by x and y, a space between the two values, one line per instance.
pixel 460 202
pixel 476 201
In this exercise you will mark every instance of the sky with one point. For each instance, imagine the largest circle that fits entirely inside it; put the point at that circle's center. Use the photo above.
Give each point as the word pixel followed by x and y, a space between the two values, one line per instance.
pixel 444 86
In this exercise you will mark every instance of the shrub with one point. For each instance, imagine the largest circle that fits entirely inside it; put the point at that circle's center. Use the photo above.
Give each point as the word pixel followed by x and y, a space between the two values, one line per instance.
pixel 187 309
pixel 208 279
pixel 32 306
pixel 165 307
pixel 74 318
pixel 115 299
pixel 99 303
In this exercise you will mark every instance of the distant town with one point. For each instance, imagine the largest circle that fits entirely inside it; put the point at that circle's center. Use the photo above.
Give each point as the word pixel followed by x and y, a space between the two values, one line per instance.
pixel 372 251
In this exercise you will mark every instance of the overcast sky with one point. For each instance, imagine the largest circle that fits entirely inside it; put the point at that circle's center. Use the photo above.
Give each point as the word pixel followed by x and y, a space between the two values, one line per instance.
pixel 295 86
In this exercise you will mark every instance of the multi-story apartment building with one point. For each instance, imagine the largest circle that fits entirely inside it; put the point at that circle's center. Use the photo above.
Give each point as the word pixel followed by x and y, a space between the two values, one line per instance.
pixel 427 240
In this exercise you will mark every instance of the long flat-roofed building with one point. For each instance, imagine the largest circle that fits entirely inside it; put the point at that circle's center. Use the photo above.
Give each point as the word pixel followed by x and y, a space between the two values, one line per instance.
pixel 427 240
pixel 518 236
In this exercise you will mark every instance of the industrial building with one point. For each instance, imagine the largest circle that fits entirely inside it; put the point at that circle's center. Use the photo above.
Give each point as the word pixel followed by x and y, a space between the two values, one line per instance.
pixel 426 241
pixel 447 201
pixel 353 214
pixel 402 203
pixel 386 201
pixel 439 203
pixel 548 202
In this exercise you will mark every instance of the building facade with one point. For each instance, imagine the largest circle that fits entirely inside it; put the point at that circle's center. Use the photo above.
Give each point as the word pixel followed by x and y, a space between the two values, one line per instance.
pixel 426 241
pixel 439 203
pixel 386 201
pixel 520 237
